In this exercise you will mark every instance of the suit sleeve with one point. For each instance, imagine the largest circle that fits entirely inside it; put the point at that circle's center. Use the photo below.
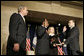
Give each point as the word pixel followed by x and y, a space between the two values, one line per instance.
pixel 72 36
pixel 64 33
pixel 40 31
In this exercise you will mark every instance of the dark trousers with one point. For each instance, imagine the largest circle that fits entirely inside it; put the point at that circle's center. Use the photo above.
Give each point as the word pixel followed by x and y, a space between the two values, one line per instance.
pixel 38 53
pixel 73 52
pixel 11 52
pixel 53 51
pixel 42 54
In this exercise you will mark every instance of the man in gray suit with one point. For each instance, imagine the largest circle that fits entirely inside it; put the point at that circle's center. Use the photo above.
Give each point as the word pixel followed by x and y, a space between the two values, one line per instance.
pixel 73 38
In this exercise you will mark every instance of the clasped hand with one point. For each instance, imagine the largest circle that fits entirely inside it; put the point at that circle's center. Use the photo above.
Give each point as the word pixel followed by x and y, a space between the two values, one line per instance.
pixel 16 47
pixel 58 44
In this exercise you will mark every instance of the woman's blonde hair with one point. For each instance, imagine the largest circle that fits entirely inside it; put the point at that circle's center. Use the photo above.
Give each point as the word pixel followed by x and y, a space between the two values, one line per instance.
pixel 50 28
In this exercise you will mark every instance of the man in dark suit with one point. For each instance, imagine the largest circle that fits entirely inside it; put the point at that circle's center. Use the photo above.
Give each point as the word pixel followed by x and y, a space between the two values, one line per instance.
pixel 17 33
pixel 73 38
pixel 42 47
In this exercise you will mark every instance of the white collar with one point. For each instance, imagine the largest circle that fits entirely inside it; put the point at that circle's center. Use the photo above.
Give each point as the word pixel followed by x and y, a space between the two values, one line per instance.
pixel 21 15
pixel 43 26
pixel 72 27
pixel 51 34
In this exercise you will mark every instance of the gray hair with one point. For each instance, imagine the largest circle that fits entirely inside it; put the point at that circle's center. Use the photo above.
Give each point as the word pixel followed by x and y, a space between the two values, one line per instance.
pixel 21 7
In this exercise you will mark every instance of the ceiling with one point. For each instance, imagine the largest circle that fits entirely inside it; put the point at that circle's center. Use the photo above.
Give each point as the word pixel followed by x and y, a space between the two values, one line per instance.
pixel 76 3
pixel 35 16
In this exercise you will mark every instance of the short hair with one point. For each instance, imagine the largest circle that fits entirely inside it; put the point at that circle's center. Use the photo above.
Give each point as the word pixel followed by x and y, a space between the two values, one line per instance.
pixel 21 7
pixel 43 19
pixel 74 21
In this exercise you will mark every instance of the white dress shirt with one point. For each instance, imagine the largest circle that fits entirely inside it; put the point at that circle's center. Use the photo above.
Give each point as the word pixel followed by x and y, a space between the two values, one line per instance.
pixel 22 17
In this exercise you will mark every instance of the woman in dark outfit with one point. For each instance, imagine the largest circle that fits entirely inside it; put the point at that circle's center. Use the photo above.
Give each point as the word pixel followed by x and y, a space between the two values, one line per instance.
pixel 53 41
pixel 53 48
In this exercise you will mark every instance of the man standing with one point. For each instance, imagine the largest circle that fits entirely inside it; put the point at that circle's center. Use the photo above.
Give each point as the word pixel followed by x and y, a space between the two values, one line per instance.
pixel 42 47
pixel 73 38
pixel 16 43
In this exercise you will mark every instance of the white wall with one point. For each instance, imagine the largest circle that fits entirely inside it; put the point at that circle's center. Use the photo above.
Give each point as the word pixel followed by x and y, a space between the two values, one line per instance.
pixel 6 12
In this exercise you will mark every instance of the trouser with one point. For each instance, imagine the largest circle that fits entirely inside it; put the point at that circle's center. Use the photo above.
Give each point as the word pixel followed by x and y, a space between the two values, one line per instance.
pixel 42 54
pixel 73 52
pixel 11 52
pixel 65 50
pixel 53 51
pixel 38 53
